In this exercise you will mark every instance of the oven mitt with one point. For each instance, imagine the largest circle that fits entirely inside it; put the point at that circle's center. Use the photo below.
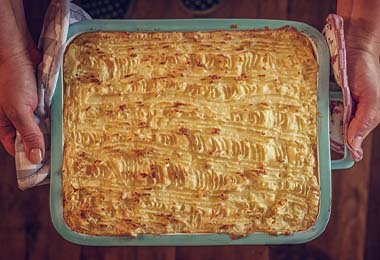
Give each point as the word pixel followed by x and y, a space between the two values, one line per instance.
pixel 340 113
pixel 52 41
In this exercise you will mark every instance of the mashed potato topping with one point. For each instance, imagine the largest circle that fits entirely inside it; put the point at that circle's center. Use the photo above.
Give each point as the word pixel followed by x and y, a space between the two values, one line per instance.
pixel 190 132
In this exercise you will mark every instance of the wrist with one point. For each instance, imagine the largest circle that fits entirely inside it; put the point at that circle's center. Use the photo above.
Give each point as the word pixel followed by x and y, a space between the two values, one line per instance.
pixel 361 26
pixel 361 35
pixel 12 41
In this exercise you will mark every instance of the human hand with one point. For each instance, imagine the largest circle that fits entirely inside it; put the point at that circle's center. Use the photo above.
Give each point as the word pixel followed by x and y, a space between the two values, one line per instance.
pixel 19 57
pixel 18 101
pixel 363 70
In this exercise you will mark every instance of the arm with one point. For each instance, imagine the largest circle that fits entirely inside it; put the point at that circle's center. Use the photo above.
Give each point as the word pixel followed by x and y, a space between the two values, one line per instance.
pixel 18 89
pixel 362 33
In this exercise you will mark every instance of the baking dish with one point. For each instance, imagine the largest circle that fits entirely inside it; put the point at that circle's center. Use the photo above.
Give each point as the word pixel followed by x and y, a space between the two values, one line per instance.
pixel 325 162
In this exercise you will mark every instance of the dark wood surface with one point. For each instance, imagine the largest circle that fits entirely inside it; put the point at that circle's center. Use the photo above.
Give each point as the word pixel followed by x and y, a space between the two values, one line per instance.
pixel 372 245
pixel 26 231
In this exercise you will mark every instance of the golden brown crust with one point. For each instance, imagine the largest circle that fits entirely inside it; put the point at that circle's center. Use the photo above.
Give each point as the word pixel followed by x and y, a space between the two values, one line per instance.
pixel 193 132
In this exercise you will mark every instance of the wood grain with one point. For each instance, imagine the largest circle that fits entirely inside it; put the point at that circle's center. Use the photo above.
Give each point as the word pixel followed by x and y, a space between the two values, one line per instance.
pixel 353 232
pixel 222 252
pixel 372 248
pixel 311 12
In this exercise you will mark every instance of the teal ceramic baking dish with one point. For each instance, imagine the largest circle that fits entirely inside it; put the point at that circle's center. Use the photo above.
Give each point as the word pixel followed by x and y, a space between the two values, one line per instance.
pixel 325 163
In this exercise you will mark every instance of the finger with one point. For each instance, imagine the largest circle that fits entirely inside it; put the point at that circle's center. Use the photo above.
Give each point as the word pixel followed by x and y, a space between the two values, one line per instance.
pixel 32 137
pixel 365 120
pixel 7 136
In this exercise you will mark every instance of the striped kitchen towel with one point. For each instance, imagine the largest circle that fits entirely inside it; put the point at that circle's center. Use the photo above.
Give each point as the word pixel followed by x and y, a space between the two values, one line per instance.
pixel 52 40
pixel 340 114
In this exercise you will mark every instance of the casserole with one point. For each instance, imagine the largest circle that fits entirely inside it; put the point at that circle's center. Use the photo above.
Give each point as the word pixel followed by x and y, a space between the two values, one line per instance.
pixel 197 239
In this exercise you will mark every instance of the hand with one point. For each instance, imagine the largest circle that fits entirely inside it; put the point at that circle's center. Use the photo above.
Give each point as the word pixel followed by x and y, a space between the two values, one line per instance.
pixel 363 70
pixel 18 90
pixel 18 101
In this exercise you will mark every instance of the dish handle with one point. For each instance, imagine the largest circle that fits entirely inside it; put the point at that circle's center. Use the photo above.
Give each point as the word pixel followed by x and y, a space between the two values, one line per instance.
pixel 347 161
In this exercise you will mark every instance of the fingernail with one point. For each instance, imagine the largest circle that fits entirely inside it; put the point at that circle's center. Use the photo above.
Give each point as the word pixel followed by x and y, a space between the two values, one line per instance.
pixel 357 143
pixel 35 155
pixel 359 156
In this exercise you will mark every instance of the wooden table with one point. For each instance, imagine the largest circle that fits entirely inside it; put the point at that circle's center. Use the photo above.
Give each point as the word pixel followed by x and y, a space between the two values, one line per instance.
pixel 353 232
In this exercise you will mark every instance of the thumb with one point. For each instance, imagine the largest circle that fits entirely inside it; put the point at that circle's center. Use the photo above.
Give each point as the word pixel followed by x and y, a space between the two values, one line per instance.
pixel 34 144
pixel 364 121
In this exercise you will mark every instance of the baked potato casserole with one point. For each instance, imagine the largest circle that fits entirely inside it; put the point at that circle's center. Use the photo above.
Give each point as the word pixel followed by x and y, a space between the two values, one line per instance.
pixel 190 132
